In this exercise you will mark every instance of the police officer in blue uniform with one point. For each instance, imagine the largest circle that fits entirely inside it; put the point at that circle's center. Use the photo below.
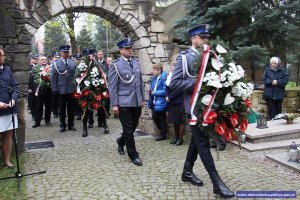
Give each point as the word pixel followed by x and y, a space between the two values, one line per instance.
pixel 63 84
pixel 125 85
pixel 184 80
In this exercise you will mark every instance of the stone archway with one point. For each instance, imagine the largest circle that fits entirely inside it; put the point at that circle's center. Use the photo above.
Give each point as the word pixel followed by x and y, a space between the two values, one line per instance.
pixel 137 18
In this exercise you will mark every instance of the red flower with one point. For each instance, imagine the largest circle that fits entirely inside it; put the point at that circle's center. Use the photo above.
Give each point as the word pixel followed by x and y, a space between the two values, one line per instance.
pixel 248 103
pixel 96 105
pixel 212 115
pixel 234 119
pixel 105 94
pixel 98 97
pixel 244 125
pixel 46 78
pixel 86 92
pixel 230 135
pixel 76 95
pixel 221 128
pixel 83 104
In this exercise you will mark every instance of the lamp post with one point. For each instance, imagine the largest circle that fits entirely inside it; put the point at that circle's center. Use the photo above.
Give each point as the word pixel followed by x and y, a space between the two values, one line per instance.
pixel 261 121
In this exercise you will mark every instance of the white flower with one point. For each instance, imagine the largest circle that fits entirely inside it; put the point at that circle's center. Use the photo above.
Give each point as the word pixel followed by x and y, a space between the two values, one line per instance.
pixel 87 83
pixel 240 70
pixel 242 90
pixel 220 49
pixel 101 81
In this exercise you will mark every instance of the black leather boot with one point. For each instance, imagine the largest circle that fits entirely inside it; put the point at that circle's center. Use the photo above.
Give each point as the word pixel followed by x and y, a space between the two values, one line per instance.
pixel 189 176
pixel 219 186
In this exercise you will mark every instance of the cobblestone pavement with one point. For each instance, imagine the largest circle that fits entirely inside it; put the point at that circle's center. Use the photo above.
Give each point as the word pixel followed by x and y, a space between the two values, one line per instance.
pixel 91 168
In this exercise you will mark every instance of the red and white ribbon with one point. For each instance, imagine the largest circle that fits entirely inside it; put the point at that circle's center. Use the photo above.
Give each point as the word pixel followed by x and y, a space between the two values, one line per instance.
pixel 199 83
pixel 198 87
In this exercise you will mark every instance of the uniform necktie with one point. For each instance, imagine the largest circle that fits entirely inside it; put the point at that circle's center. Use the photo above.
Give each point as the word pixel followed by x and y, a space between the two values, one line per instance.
pixel 66 61
pixel 130 63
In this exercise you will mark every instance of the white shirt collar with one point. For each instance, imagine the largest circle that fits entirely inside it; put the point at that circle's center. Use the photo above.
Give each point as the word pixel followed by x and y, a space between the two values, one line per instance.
pixel 195 50
pixel 1 66
pixel 126 58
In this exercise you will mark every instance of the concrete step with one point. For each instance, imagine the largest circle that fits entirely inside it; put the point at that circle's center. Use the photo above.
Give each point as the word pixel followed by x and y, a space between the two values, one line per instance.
pixel 282 158
pixel 267 145
pixel 277 130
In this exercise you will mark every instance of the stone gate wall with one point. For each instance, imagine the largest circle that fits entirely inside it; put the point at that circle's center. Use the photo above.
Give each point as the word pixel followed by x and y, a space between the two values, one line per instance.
pixel 137 18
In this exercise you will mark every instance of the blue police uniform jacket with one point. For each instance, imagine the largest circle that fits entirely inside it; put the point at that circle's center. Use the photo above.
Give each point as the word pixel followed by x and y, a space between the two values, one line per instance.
pixel 275 91
pixel 62 76
pixel 7 79
pixel 125 84
pixel 180 81
pixel 159 95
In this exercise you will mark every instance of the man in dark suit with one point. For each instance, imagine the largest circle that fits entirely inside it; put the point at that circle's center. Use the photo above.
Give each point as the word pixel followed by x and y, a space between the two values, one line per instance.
pixel 125 85
pixel 32 86
pixel 63 83
pixel 104 66
pixel 184 80
pixel 43 97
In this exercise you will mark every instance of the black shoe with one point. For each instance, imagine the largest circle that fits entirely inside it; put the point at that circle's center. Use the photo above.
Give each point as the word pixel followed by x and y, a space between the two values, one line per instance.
pixel 85 134
pixel 72 128
pixel 36 125
pixel 90 125
pixel 48 123
pixel 55 116
pixel 160 137
pixel 213 146
pixel 174 141
pixel 178 142
pixel 137 161
pixel 78 117
pixel 106 130
pixel 120 149
pixel 192 178
pixel 222 148
pixel 62 129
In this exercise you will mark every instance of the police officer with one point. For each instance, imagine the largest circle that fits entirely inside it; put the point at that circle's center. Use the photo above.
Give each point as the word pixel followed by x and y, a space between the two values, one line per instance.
pixel 183 80
pixel 62 83
pixel 126 91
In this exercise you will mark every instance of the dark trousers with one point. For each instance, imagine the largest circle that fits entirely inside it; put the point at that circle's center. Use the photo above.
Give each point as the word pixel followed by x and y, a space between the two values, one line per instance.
pixel 107 105
pixel 66 102
pixel 100 115
pixel 41 100
pixel 200 145
pixel 55 103
pixel 129 117
pixel 160 120
pixel 274 107
pixel 32 103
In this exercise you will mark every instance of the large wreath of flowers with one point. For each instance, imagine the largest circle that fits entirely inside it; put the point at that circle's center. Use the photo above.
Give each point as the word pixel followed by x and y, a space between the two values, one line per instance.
pixel 223 96
pixel 91 84
pixel 41 76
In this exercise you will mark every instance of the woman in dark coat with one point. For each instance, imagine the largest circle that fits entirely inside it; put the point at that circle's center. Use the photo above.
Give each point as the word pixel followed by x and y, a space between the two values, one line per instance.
pixel 175 110
pixel 275 79
pixel 7 102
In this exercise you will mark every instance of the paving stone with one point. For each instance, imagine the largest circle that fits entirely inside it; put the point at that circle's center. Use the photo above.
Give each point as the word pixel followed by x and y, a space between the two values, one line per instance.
pixel 91 168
